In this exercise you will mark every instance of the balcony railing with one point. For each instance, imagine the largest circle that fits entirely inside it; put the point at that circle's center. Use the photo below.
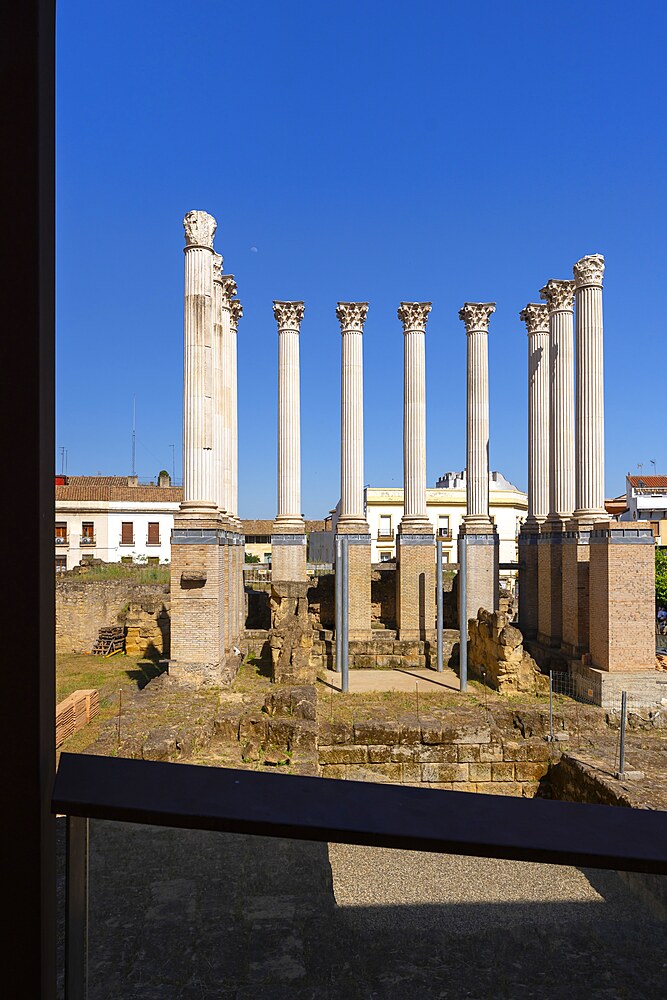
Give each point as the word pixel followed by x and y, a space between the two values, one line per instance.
pixel 88 540
pixel 385 535
pixel 62 539
pixel 445 534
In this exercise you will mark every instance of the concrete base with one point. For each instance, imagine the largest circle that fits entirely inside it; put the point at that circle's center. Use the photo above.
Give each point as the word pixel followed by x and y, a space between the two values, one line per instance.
pixel 645 688
pixel 575 591
pixel 550 593
pixel 528 580
pixel 415 586
pixel 482 583
pixel 288 556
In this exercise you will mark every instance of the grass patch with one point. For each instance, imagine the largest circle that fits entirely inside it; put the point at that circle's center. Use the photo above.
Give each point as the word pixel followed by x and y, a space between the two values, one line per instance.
pixel 123 571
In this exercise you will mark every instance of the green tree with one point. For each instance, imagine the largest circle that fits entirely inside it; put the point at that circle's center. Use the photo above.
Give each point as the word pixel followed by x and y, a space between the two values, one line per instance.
pixel 661 577
pixel 250 558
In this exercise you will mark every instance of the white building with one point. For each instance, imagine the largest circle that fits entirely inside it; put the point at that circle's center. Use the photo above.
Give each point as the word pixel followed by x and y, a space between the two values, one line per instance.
pixel 446 507
pixel 113 518
pixel 646 500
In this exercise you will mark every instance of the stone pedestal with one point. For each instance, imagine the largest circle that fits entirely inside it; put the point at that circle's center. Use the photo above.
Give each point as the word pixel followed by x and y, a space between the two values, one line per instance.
pixel 482 579
pixel 416 587
pixel 197 613
pixel 288 555
pixel 575 595
pixel 549 585
pixel 358 579
pixel 622 596
pixel 528 579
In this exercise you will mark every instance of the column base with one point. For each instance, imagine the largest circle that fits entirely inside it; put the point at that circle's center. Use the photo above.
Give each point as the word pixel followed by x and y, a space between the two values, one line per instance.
pixel 622 596
pixel 288 552
pixel 482 579
pixel 415 583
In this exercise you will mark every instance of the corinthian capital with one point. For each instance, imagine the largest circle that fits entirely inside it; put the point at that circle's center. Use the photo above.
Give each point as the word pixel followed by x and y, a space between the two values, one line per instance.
pixel 288 315
pixel 200 229
pixel 352 315
pixel 536 318
pixel 217 267
pixel 413 316
pixel 228 289
pixel 476 316
pixel 589 270
pixel 558 295
pixel 235 312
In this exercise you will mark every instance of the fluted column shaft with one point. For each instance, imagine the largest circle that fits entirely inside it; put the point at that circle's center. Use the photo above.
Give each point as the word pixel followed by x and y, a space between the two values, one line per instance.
pixel 235 314
pixel 352 316
pixel 413 316
pixel 536 318
pixel 288 316
pixel 559 296
pixel 198 365
pixel 476 317
pixel 589 493
pixel 224 287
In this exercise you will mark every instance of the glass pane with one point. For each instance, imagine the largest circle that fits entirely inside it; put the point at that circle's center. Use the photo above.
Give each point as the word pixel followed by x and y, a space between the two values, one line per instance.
pixel 185 914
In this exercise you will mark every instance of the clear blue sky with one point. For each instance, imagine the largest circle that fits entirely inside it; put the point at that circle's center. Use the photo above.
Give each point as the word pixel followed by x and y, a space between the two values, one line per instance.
pixel 355 150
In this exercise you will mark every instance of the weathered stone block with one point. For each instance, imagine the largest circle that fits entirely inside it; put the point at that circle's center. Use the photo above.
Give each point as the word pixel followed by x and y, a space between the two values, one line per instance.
pixel 432 731
pixel 412 773
pixel 530 770
pixel 468 734
pixel 334 733
pixel 480 772
pixel 468 752
pixel 404 753
pixel 503 788
pixel 379 754
pixel 389 661
pixel 297 701
pixel 364 661
pixel 376 731
pixel 444 772
pixel 253 728
pixel 502 771
pixel 538 750
pixel 334 771
pixel 444 754
pixel 343 755
pixel 410 729
pixel 492 752
pixel 514 750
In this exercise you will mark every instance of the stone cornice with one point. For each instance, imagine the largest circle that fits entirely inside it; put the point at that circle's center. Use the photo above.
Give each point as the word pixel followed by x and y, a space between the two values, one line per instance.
pixel 199 229
pixel 413 316
pixel 476 316
pixel 352 315
pixel 288 315
pixel 536 318
pixel 235 312
pixel 558 295
pixel 589 271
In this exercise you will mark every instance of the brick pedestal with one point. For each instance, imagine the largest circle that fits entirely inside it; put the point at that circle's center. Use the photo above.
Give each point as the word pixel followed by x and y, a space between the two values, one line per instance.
pixel 415 586
pixel 481 554
pixel 197 611
pixel 288 556
pixel 549 587
pixel 622 596
pixel 359 584
pixel 575 592
pixel 528 577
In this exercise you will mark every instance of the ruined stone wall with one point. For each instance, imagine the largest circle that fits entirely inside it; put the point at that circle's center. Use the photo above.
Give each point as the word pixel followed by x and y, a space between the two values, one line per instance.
pixel 496 648
pixel 84 606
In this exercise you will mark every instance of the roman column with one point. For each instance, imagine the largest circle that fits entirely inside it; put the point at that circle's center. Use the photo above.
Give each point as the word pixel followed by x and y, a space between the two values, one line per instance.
pixel 589 490
pixel 352 519
pixel 288 539
pixel 235 314
pixel 559 296
pixel 478 538
pixel 197 624
pixel 416 598
pixel 220 317
pixel 536 318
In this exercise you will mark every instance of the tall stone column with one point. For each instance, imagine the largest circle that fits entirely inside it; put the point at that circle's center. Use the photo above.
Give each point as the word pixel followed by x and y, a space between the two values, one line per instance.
pixel 559 296
pixel 415 579
pixel 536 318
pixel 352 520
pixel 235 314
pixel 224 288
pixel 478 533
pixel 288 539
pixel 197 624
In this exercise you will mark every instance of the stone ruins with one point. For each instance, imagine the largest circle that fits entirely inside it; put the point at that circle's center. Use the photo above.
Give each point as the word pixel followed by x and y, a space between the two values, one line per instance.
pixel 585 582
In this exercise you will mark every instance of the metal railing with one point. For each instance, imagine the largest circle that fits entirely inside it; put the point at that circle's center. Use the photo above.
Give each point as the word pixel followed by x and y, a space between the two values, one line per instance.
pixel 328 810
pixel 385 536
pixel 445 534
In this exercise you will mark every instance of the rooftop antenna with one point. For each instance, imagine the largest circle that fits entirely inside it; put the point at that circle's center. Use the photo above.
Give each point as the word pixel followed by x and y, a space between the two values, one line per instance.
pixel 652 460
pixel 134 431
pixel 62 461
pixel 640 466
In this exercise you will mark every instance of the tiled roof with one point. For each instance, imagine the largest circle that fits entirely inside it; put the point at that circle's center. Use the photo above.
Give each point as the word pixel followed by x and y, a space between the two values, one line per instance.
pixel 265 527
pixel 97 480
pixel 117 491
pixel 616 505
pixel 648 482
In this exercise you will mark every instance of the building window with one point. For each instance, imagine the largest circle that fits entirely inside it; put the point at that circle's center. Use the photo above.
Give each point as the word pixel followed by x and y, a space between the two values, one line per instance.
pixel 384 531
pixel 153 533
pixel 443 526
pixel 445 556
pixel 127 533
pixel 61 564
pixel 385 557
pixel 61 532
pixel 88 533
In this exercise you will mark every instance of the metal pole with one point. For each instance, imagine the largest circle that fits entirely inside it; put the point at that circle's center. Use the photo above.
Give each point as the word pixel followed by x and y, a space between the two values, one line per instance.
pixel 463 619
pixel 76 909
pixel 344 630
pixel 551 706
pixel 438 574
pixel 339 604
pixel 624 719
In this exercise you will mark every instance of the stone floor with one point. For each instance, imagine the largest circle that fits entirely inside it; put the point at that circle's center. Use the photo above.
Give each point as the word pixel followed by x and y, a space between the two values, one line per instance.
pixel 361 681
pixel 182 915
